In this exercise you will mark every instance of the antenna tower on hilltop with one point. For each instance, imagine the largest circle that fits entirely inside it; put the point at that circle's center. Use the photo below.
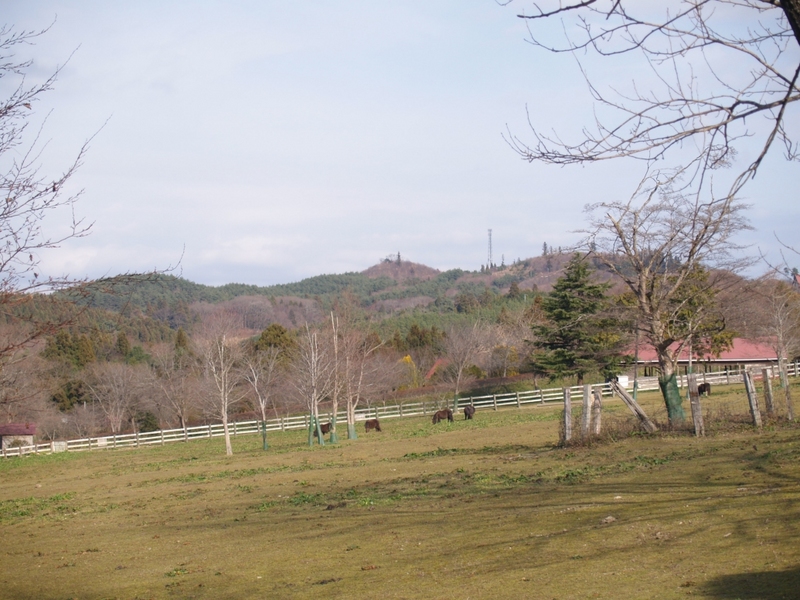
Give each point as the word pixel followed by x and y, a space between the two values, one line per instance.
pixel 490 249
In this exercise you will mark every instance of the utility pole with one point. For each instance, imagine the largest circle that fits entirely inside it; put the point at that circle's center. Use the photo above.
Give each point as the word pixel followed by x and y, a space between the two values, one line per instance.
pixel 490 248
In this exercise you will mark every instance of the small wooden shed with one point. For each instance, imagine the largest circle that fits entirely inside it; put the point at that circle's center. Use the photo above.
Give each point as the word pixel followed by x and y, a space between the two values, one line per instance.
pixel 13 435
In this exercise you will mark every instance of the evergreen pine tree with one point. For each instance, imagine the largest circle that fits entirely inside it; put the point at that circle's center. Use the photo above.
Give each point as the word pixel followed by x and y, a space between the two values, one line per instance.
pixel 576 339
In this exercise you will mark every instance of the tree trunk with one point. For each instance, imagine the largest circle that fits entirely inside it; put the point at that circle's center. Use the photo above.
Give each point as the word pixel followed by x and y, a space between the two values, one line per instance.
pixel 791 9
pixel 668 382
pixel 228 447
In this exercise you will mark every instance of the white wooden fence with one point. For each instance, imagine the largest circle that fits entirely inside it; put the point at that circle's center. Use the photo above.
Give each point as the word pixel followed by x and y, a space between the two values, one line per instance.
pixel 391 411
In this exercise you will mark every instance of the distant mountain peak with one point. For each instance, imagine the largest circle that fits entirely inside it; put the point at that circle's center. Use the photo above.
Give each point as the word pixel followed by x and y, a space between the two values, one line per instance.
pixel 401 270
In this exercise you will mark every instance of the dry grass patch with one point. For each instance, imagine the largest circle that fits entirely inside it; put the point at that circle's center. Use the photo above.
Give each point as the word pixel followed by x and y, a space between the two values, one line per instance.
pixel 483 508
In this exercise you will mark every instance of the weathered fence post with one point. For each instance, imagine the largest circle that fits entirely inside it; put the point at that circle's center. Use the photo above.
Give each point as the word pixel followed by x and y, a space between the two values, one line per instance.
pixel 768 399
pixel 567 417
pixel 727 376
pixel 586 416
pixel 115 441
pixel 494 400
pixel 401 408
pixel 752 398
pixel 518 403
pixel 234 429
pixel 162 437
pixel 697 410
pixel 136 432
pixel 644 420
pixel 209 430
pixel 597 409
pixel 787 392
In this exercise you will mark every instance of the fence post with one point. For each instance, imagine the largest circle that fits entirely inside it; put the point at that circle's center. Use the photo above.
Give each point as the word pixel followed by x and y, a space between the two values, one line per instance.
pixel 209 430
pixel 400 406
pixel 115 441
pixel 137 437
pixel 586 416
pixel 567 417
pixel 518 404
pixel 234 429
pixel 494 401
pixel 162 437
pixel 644 420
pixel 283 424
pixel 697 411
pixel 768 399
pixel 786 391
pixel 90 443
pixel 727 376
pixel 755 413
pixel 597 409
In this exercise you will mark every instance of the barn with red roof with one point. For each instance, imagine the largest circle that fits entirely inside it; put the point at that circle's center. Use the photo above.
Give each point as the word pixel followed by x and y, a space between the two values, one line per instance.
pixel 742 353
pixel 13 435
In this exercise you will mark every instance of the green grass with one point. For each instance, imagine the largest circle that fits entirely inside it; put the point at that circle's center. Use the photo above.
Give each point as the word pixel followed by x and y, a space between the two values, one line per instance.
pixel 489 508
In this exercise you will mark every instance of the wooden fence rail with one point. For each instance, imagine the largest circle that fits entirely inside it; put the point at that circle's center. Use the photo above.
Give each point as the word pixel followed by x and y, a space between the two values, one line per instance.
pixel 392 411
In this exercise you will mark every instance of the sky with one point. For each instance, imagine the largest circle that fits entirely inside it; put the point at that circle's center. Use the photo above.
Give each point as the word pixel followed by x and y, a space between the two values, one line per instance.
pixel 263 142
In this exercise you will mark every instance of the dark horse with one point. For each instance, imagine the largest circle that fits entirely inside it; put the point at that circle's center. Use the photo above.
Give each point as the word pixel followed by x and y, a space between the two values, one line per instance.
pixel 469 410
pixel 371 424
pixel 442 415
pixel 324 428
pixel 704 388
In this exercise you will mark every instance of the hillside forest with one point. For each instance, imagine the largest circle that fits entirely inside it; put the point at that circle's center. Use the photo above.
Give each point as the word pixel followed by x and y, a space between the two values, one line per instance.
pixel 164 352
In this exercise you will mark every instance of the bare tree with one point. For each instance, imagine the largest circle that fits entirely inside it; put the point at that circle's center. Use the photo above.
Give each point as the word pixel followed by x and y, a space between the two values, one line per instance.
pixel 220 350
pixel 783 331
pixel 661 248
pixel 312 370
pixel 716 75
pixel 261 368
pixel 23 390
pixel 362 371
pixel 510 340
pixel 173 380
pixel 115 388
pixel 464 346
pixel 29 196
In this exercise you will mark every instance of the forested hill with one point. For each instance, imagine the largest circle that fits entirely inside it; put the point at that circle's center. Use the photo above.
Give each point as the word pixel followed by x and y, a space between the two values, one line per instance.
pixel 161 290
pixel 388 282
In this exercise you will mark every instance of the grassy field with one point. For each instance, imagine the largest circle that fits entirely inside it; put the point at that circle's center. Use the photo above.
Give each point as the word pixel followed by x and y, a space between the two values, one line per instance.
pixel 489 508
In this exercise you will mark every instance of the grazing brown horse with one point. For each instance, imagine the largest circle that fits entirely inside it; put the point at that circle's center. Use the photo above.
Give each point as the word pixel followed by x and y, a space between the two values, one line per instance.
pixel 324 428
pixel 442 415
pixel 371 424
pixel 704 388
pixel 469 410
